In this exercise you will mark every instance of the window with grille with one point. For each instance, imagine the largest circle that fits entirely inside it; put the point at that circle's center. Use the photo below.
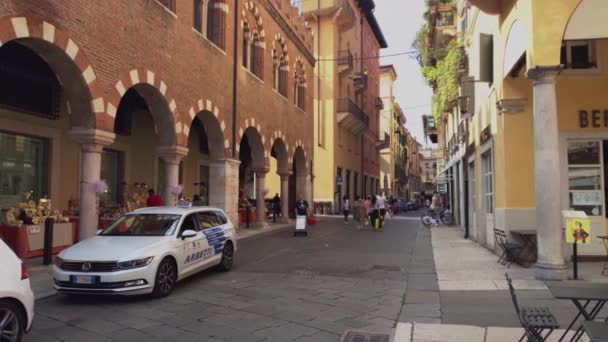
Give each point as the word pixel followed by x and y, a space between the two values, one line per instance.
pixel 216 22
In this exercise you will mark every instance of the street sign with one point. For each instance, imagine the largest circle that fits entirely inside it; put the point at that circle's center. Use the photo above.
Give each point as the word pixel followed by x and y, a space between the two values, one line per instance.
pixel 339 180
pixel 441 188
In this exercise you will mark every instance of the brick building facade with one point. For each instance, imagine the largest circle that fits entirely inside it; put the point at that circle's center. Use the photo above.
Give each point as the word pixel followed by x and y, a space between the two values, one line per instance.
pixel 201 94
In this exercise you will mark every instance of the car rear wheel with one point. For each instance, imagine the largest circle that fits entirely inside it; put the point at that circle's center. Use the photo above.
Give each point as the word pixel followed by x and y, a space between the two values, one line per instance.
pixel 227 258
pixel 12 322
pixel 166 277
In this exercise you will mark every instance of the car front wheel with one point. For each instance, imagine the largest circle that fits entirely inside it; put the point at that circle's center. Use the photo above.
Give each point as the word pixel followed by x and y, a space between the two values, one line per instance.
pixel 166 277
pixel 227 257
pixel 12 324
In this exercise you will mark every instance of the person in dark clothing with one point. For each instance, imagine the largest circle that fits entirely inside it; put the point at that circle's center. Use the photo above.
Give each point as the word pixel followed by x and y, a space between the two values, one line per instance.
pixel 302 206
pixel 276 204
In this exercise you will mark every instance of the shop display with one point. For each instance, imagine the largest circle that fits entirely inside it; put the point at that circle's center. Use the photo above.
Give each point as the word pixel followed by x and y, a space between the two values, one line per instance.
pixel 28 212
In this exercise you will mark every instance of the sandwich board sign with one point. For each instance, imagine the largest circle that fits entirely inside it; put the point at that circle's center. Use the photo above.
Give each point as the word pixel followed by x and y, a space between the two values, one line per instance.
pixel 300 225
pixel 578 230
pixel 578 227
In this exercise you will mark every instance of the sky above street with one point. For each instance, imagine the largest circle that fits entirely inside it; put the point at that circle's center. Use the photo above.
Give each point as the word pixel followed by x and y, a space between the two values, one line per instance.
pixel 400 20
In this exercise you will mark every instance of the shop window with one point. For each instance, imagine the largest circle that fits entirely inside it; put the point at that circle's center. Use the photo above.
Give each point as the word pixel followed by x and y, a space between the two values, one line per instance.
pixel 584 177
pixel 488 182
pixel 24 167
pixel 112 172
pixel 579 54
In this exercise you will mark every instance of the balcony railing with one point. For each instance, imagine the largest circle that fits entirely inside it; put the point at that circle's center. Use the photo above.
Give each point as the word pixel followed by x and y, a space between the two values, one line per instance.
pixel 351 116
pixel 345 60
pixel 347 16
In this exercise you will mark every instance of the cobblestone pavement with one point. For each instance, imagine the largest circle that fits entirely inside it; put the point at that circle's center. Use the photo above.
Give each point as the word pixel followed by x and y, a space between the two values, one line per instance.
pixel 281 289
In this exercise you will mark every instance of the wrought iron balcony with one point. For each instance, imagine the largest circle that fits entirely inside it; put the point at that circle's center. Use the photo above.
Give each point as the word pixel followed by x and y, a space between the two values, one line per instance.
pixel 345 60
pixel 346 19
pixel 351 116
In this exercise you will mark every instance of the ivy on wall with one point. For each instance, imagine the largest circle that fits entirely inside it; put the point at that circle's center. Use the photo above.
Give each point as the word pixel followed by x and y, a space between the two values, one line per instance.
pixel 439 63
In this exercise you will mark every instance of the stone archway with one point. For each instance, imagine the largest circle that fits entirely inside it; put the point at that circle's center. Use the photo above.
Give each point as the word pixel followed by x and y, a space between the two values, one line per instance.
pixel 299 180
pixel 252 171
pixel 69 62
pixel 280 153
pixel 75 102
pixel 145 117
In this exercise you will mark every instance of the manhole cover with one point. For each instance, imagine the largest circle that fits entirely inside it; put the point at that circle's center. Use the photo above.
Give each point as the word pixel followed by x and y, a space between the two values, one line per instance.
pixel 357 336
pixel 386 268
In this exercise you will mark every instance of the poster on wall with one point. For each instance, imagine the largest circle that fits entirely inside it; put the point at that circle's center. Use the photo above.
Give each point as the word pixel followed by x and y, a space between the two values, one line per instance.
pixel 586 198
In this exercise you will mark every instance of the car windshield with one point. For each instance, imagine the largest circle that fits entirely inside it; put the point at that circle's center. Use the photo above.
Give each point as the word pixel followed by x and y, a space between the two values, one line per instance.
pixel 143 225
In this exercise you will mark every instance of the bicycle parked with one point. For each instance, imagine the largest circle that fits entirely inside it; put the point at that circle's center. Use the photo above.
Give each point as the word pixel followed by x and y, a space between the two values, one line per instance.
pixel 431 218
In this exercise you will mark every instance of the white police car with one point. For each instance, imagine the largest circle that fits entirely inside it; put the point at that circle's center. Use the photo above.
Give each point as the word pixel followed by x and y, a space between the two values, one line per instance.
pixel 147 251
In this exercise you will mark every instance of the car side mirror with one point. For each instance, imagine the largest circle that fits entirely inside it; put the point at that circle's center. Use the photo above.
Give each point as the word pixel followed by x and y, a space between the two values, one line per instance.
pixel 186 234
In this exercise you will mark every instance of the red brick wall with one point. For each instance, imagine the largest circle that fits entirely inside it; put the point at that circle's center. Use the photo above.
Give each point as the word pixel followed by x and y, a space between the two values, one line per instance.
pixel 123 35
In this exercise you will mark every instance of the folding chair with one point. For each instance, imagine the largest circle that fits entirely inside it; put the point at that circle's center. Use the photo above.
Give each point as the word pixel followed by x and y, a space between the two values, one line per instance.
pixel 510 250
pixel 534 320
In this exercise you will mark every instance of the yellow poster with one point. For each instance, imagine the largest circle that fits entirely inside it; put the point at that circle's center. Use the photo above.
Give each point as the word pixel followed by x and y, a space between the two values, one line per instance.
pixel 578 230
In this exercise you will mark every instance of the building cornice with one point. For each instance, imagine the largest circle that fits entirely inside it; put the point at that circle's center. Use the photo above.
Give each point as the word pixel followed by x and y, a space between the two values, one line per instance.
pixel 293 36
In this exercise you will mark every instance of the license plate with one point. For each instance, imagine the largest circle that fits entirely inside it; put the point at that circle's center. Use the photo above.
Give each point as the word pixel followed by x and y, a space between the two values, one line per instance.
pixel 79 279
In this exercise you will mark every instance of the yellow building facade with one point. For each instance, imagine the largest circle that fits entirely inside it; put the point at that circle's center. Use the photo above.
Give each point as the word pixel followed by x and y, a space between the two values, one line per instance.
pixel 346 100
pixel 388 76
pixel 529 136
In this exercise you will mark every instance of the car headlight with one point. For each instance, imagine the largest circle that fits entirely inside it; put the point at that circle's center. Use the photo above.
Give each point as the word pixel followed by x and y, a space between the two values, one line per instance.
pixel 135 263
pixel 58 260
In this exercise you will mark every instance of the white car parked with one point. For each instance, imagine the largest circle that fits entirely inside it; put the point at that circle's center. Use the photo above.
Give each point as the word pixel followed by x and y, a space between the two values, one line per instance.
pixel 16 297
pixel 147 251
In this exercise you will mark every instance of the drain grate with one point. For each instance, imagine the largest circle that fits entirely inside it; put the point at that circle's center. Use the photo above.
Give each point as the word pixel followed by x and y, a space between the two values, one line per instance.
pixel 357 336
pixel 387 268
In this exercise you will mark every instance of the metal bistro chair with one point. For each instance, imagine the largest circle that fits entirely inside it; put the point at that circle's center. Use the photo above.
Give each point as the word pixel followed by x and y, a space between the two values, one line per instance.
pixel 534 320
pixel 510 250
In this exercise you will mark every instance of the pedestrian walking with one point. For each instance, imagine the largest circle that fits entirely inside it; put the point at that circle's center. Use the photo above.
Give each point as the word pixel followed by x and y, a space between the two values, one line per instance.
pixel 345 208
pixel 367 207
pixel 154 199
pixel 358 212
pixel 276 205
pixel 381 204
pixel 374 216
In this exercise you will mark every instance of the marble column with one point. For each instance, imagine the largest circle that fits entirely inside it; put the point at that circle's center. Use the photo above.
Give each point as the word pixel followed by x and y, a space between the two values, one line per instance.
pixel 284 196
pixel 550 264
pixel 260 185
pixel 172 156
pixel 92 142
pixel 224 187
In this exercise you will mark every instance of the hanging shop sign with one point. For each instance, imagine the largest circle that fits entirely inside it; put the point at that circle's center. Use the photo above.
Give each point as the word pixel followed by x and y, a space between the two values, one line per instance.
pixel 593 119
pixel 441 188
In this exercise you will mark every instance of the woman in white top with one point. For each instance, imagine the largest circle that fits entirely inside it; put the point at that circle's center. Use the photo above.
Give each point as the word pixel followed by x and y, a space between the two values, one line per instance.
pixel 345 208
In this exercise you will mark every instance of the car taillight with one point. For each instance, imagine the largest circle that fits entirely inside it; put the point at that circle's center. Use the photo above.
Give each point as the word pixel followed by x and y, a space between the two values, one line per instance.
pixel 24 274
